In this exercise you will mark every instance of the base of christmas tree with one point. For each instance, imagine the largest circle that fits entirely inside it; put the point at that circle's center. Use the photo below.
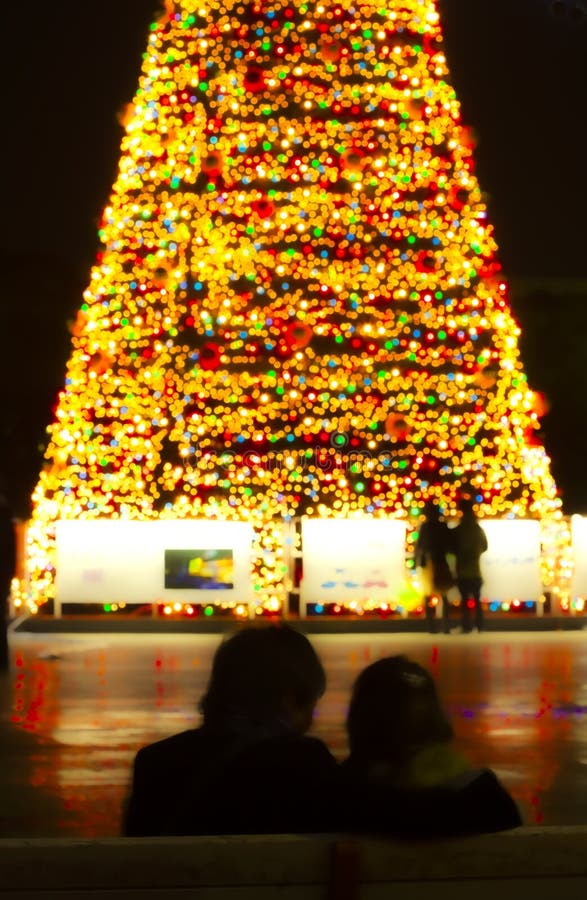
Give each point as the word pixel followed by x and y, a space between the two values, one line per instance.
pixel 336 569
pixel 144 622
pixel 311 568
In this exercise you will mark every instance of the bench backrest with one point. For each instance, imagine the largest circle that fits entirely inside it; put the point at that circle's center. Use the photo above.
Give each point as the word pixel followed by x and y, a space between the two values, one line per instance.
pixel 529 862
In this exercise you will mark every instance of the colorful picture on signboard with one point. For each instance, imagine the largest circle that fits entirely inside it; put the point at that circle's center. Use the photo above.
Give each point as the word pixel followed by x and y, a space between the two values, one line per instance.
pixel 206 570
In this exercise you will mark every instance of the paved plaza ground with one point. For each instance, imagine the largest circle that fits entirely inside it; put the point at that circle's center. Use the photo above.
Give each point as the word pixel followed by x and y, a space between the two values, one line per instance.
pixel 75 708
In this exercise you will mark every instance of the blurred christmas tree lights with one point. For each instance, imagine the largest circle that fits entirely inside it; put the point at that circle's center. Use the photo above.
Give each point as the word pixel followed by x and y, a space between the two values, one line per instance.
pixel 297 309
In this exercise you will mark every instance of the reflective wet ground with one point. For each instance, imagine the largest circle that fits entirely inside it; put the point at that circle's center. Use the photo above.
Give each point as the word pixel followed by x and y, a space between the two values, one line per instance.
pixel 74 710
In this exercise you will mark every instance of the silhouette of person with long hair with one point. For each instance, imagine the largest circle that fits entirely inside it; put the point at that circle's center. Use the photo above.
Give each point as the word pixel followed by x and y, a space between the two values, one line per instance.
pixel 404 775
pixel 431 551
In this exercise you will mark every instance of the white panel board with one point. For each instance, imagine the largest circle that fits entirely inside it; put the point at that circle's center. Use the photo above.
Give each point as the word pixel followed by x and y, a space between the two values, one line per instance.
pixel 352 559
pixel 579 539
pixel 186 560
pixel 511 565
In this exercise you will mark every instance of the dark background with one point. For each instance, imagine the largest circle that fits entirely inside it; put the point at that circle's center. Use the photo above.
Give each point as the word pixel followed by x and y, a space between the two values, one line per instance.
pixel 520 71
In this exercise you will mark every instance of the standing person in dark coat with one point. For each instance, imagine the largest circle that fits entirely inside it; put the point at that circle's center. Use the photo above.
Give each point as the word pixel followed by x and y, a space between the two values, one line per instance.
pixel 404 775
pixel 469 542
pixel 7 571
pixel 431 550
pixel 249 769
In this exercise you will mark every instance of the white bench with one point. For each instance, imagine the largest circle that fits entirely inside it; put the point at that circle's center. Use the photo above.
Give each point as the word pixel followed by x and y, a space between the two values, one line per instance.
pixel 537 863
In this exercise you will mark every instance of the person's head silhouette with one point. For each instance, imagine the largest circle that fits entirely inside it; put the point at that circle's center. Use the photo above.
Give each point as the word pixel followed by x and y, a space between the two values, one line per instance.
pixel 432 511
pixel 395 712
pixel 467 508
pixel 263 675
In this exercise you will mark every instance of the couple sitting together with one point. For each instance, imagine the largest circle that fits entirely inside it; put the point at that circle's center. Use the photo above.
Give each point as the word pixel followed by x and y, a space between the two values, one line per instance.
pixel 251 769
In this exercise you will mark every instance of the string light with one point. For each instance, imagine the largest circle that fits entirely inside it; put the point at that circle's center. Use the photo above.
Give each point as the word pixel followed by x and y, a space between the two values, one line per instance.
pixel 297 308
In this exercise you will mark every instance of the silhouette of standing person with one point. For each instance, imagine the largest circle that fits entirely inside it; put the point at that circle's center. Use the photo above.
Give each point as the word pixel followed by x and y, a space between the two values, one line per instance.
pixel 469 541
pixel 7 570
pixel 431 550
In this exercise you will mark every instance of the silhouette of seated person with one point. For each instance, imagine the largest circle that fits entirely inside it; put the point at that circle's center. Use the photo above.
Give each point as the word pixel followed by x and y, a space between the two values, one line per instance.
pixel 403 775
pixel 249 769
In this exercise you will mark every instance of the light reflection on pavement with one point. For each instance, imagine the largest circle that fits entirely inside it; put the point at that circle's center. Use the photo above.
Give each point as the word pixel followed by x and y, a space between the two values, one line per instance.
pixel 74 710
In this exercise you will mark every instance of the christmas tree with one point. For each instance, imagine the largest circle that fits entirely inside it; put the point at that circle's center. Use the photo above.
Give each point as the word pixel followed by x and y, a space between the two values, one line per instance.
pixel 298 308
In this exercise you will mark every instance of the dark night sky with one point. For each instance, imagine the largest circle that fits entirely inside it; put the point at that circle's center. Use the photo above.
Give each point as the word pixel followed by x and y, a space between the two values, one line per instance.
pixel 519 70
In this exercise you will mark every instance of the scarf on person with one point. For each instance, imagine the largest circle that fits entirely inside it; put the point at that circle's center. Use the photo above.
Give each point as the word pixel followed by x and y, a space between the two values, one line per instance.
pixel 431 766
